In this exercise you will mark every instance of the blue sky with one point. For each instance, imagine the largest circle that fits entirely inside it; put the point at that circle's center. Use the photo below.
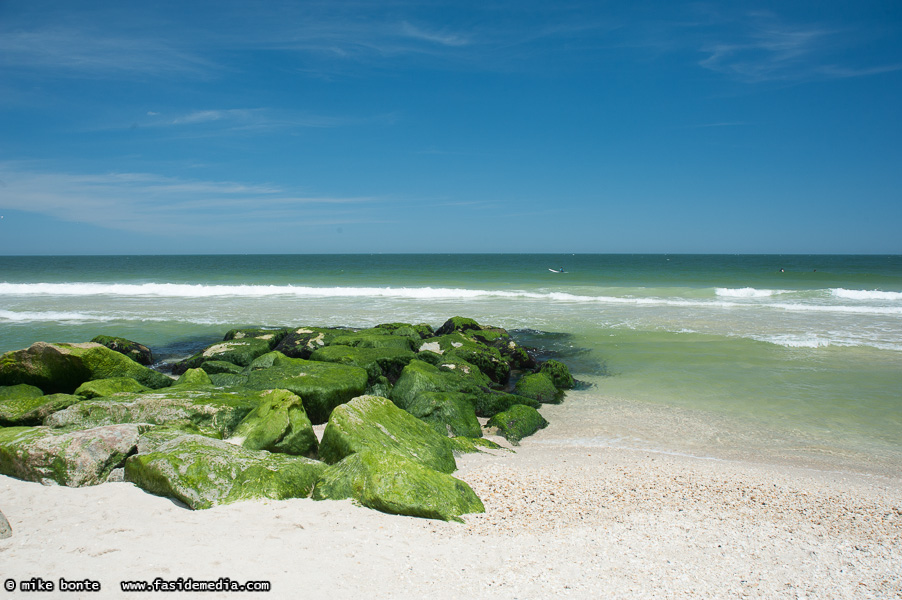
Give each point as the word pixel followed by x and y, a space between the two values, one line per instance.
pixel 319 127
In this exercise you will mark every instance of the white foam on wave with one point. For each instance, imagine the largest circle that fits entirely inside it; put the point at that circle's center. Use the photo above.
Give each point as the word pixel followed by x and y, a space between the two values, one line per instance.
pixel 181 290
pixel 816 341
pixel 746 292
pixel 865 294
pixel 8 316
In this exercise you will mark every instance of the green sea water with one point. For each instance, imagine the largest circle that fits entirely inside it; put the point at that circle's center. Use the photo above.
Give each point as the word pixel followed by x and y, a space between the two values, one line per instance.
pixel 773 358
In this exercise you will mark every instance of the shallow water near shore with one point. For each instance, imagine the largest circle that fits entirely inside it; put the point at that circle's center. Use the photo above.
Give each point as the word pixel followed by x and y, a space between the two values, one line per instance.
pixel 784 358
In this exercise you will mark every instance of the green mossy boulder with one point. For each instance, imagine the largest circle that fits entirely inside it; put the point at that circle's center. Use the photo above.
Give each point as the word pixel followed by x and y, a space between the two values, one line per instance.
pixel 229 380
pixel 559 374
pixel 139 353
pixel 278 424
pixel 322 385
pixel 194 378
pixel 32 410
pixel 202 472
pixel 269 335
pixel 517 422
pixel 381 387
pixel 218 367
pixel 240 352
pixel 457 324
pixel 459 370
pixel 371 422
pixel 61 368
pixel 491 402
pixel 421 331
pixel 449 413
pixel 19 392
pixel 301 342
pixel 420 376
pixel 74 459
pixel 453 376
pixel 486 358
pixel 468 445
pixel 215 412
pixel 100 388
pixel 390 483
pixel 378 362
pixel 374 340
pixel 539 386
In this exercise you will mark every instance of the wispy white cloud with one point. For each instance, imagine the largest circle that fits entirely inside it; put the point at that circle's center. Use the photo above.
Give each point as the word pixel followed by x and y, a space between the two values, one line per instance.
pixel 255 118
pixel 762 46
pixel 86 51
pixel 149 203
pixel 440 38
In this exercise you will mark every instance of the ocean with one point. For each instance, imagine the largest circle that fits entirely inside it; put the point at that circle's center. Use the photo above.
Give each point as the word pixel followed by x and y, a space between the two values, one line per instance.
pixel 791 359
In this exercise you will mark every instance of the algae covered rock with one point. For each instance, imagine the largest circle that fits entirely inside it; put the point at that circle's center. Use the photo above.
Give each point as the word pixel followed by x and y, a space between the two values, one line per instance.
pixel 487 358
pixel 419 376
pixel 540 387
pixel 453 376
pixel 301 342
pixel 469 445
pixel 558 373
pixel 217 367
pixel 374 340
pixel 448 413
pixel 139 353
pixel 517 422
pixel 321 385
pixel 240 352
pixel 269 335
pixel 75 459
pixel 379 362
pixel 371 422
pixel 460 324
pixel 203 472
pixel 391 483
pixel 213 411
pixel 61 368
pixel 32 410
pixel 193 378
pixel 99 388
pixel 278 424
pixel 421 331
pixel 18 393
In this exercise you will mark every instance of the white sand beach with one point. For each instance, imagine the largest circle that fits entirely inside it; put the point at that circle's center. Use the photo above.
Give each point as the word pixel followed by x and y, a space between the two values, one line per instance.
pixel 560 522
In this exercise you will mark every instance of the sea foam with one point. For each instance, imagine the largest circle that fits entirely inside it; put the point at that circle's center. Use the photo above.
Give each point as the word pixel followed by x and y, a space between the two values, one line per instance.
pixel 866 295
pixel 746 292
pixel 728 298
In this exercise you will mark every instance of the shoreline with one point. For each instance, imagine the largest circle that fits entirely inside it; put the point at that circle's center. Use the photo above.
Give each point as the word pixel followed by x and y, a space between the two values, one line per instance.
pixel 589 419
pixel 566 521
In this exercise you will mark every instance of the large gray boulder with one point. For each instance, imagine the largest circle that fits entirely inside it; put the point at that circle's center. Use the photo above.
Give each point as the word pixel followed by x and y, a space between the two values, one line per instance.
pixel 74 459
pixel 6 530
pixel 215 412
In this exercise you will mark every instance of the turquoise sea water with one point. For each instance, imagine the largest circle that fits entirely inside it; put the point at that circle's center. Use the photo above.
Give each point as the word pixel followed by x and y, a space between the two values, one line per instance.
pixel 787 358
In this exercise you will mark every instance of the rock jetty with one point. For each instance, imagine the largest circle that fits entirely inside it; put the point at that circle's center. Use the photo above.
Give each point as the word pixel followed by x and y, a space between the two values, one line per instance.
pixel 235 420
